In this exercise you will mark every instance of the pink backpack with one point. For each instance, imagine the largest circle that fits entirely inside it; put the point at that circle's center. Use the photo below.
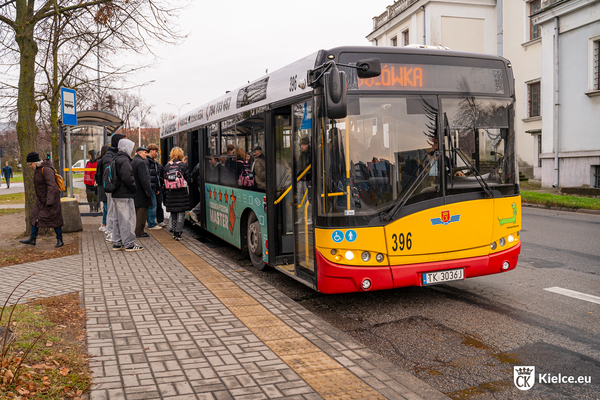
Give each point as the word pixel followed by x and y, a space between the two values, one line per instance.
pixel 173 177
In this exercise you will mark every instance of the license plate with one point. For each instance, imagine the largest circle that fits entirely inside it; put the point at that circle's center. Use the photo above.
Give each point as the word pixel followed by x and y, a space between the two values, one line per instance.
pixel 431 278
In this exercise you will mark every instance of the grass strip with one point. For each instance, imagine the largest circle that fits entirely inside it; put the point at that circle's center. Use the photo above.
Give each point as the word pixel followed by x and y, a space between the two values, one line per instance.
pixel 13 198
pixel 48 359
pixel 555 200
pixel 7 211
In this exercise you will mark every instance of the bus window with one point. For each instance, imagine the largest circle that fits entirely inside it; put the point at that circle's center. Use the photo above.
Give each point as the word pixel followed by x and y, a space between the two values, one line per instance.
pixel 213 139
pixel 227 157
pixel 212 169
pixel 380 155
pixel 477 136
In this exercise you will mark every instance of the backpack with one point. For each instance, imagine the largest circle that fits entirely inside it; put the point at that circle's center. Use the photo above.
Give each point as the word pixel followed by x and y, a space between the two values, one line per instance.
pixel 110 178
pixel 246 176
pixel 60 182
pixel 173 177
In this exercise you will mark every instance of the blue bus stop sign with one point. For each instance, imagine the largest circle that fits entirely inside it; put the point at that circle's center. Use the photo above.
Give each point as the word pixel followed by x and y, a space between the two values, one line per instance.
pixel 69 106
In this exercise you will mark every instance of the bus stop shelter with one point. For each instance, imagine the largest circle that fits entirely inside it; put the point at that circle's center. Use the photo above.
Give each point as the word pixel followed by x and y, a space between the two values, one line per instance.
pixel 94 129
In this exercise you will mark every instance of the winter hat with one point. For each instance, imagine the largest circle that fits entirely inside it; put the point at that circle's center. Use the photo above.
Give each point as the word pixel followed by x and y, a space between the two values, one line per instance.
pixel 141 148
pixel 114 140
pixel 33 157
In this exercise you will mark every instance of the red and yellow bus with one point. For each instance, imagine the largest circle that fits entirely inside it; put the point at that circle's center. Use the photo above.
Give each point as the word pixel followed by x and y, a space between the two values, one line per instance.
pixel 385 167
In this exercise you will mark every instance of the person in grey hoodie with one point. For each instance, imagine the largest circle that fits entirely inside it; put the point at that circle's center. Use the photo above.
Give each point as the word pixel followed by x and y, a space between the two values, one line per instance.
pixel 123 236
pixel 104 162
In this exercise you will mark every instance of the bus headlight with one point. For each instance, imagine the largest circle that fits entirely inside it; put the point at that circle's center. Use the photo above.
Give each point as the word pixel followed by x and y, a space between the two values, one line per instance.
pixel 493 245
pixel 349 255
pixel 511 238
pixel 379 257
pixel 505 265
pixel 365 256
pixel 502 242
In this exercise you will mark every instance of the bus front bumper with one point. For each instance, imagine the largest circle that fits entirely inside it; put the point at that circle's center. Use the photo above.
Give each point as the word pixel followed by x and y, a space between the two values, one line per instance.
pixel 336 278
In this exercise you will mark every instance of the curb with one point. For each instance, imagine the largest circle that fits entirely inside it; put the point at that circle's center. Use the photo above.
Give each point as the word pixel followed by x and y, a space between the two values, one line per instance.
pixel 577 210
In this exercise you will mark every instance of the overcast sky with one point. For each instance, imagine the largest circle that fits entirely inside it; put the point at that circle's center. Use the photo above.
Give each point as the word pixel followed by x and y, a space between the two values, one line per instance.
pixel 233 42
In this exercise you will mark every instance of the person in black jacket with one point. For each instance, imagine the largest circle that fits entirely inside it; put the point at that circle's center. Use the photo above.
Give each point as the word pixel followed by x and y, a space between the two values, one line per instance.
pixel 143 194
pixel 177 201
pixel 111 152
pixel 155 184
pixel 123 236
pixel 101 193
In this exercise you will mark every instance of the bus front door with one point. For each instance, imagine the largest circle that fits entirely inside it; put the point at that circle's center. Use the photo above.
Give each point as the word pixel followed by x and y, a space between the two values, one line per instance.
pixel 293 202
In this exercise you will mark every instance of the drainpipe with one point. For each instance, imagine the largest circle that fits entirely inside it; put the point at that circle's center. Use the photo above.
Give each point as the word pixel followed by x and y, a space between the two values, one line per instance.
pixel 556 103
pixel 500 34
pixel 424 31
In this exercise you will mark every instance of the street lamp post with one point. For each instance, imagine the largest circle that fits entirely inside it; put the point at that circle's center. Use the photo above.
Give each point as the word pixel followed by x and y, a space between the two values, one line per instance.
pixel 140 107
pixel 179 108
pixel 178 116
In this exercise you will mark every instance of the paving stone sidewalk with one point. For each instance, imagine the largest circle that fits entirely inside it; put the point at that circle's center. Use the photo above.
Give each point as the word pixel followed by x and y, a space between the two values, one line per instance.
pixel 47 278
pixel 156 332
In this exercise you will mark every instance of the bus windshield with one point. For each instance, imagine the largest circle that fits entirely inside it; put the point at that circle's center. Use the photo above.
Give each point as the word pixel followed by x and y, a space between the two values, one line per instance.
pixel 391 149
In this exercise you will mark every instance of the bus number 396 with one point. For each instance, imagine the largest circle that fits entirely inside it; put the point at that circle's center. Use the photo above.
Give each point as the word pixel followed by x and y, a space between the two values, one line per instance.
pixel 401 243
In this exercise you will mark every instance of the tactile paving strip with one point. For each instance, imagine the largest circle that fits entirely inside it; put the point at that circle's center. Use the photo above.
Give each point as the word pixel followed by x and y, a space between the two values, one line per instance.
pixel 328 377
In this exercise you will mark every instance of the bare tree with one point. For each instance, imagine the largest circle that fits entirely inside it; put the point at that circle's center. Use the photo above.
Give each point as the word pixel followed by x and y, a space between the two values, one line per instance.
pixel 134 24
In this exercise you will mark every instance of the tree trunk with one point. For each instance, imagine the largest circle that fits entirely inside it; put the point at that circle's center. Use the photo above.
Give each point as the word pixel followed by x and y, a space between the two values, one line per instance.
pixel 55 93
pixel 26 106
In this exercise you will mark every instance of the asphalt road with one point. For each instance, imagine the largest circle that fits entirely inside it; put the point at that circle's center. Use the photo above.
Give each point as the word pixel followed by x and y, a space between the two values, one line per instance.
pixel 465 338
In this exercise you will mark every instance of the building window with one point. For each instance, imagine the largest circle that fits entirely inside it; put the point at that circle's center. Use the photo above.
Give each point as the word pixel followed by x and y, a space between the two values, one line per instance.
pixel 405 38
pixel 596 64
pixel 533 99
pixel 597 176
pixel 394 41
pixel 534 30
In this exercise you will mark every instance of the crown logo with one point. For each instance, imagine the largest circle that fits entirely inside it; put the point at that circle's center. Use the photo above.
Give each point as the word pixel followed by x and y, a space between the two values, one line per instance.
pixel 524 371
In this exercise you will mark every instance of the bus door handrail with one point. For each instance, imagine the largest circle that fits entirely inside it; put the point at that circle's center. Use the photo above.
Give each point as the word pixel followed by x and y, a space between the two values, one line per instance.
pixel 290 188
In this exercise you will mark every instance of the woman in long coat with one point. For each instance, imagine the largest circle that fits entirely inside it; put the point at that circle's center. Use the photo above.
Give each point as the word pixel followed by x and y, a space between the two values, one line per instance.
pixel 46 212
pixel 177 201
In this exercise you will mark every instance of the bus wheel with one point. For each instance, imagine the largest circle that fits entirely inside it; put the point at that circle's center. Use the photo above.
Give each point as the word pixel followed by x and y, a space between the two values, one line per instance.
pixel 254 238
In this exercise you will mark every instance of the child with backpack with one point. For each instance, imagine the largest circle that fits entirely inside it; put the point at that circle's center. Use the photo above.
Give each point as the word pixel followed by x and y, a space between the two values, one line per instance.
pixel 177 200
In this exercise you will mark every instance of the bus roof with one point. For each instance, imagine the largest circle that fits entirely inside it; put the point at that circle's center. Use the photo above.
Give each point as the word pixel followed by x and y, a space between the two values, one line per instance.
pixel 289 81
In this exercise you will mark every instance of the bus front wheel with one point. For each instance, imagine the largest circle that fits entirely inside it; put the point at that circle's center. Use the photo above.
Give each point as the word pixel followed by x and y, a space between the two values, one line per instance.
pixel 254 238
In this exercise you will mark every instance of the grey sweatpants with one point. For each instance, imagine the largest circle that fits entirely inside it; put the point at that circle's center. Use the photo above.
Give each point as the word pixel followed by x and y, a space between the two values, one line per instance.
pixel 110 214
pixel 124 222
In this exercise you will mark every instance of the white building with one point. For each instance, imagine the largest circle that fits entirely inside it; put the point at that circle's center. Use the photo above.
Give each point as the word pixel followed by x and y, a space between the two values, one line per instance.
pixel 570 150
pixel 495 27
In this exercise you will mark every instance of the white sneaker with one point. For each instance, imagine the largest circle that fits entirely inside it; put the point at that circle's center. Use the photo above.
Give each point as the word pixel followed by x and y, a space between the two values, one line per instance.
pixel 162 224
pixel 155 227
pixel 102 228
pixel 194 217
pixel 109 238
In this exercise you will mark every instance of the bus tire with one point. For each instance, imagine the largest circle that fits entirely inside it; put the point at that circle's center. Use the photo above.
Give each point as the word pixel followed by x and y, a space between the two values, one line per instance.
pixel 254 240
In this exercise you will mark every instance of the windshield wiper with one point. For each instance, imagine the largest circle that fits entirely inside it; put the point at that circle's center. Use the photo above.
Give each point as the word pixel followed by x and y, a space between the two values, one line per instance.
pixel 401 201
pixel 457 150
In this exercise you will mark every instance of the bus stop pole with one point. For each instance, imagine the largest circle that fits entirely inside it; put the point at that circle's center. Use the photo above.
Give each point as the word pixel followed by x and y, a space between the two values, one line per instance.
pixel 69 165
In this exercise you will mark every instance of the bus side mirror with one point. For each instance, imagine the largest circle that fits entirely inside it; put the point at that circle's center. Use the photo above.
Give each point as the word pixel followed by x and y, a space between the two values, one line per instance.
pixel 368 68
pixel 336 101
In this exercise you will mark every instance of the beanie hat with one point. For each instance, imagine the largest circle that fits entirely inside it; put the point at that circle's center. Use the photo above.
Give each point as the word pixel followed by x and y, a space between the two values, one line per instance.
pixel 33 157
pixel 114 140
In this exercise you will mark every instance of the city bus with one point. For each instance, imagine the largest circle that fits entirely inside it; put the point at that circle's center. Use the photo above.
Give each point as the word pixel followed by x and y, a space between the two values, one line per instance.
pixel 385 167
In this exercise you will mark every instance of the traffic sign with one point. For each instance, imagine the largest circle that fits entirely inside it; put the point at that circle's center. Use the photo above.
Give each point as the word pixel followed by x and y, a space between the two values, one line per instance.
pixel 69 106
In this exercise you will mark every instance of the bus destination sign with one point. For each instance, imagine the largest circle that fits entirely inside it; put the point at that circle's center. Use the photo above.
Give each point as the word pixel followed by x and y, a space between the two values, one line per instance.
pixel 432 77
